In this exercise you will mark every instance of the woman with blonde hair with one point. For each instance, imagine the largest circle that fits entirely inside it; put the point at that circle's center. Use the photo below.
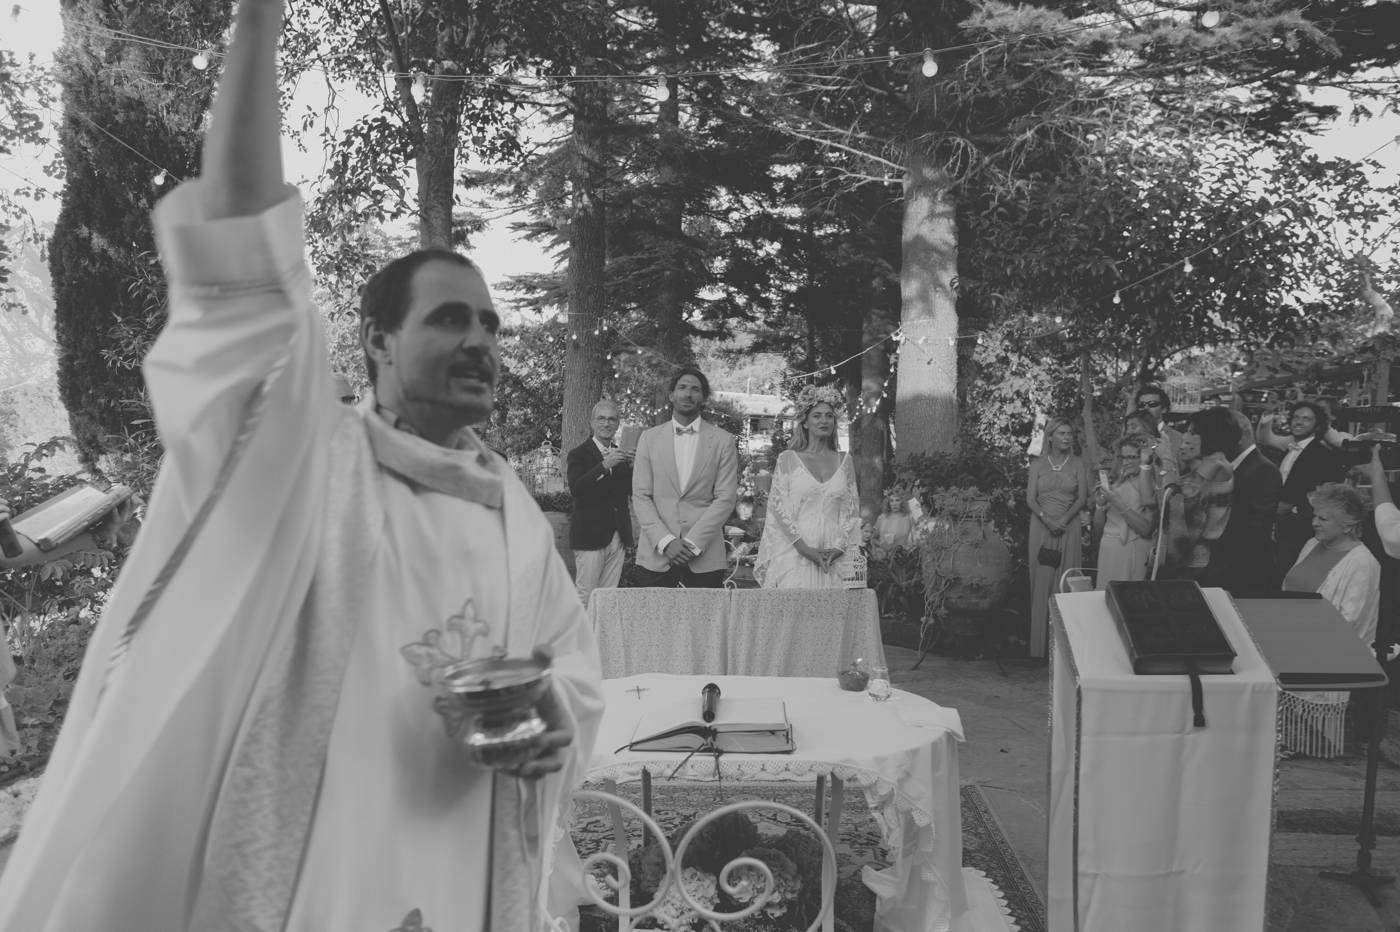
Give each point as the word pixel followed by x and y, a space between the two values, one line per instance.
pixel 1336 565
pixel 1057 489
pixel 813 525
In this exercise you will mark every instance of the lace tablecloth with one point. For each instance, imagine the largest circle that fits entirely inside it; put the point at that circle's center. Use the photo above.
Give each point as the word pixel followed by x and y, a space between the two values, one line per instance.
pixel 660 630
pixel 743 632
pixel 903 754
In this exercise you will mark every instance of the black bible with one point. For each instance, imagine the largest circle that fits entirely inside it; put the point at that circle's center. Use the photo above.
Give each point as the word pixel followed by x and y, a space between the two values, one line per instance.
pixel 1168 628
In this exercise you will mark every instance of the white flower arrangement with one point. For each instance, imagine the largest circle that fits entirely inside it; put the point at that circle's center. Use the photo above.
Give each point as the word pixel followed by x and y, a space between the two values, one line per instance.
pixel 811 395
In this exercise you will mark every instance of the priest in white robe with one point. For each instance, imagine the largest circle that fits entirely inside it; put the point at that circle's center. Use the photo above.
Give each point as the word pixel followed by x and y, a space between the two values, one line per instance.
pixel 254 748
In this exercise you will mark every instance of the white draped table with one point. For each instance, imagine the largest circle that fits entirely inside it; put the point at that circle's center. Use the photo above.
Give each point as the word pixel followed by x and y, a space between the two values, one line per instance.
pixel 741 632
pixel 1155 824
pixel 903 754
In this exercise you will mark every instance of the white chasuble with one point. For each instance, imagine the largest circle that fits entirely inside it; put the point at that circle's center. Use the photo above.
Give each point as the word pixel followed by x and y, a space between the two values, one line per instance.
pixel 265 757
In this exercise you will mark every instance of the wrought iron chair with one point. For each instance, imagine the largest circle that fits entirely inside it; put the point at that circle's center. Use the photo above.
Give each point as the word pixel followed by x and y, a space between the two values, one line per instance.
pixel 743 878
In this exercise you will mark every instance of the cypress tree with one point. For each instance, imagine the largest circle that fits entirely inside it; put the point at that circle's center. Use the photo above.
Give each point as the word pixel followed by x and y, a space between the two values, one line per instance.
pixel 132 111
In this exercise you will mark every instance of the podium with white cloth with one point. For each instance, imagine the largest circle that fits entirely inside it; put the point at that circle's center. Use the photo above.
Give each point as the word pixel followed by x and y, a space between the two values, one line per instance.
pixel 739 632
pixel 1156 825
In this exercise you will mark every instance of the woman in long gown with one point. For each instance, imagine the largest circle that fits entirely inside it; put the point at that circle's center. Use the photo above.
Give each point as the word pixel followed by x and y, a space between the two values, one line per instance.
pixel 812 529
pixel 1126 515
pixel 1056 491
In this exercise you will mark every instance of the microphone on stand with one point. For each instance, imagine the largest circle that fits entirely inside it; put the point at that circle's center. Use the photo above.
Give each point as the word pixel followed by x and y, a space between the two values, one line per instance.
pixel 9 540
pixel 709 701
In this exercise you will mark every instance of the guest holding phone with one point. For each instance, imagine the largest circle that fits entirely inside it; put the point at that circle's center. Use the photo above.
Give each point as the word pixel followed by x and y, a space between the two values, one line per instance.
pixel 600 481
pixel 1125 513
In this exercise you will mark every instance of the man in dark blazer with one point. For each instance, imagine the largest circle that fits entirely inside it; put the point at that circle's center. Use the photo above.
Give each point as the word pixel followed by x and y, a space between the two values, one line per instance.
pixel 600 480
pixel 1242 561
pixel 1308 463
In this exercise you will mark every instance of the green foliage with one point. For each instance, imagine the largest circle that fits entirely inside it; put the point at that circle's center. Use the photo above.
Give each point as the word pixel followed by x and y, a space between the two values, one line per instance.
pixel 26 98
pixel 127 107
pixel 531 389
pixel 998 473
pixel 48 610
pixel 555 501
pixel 897 578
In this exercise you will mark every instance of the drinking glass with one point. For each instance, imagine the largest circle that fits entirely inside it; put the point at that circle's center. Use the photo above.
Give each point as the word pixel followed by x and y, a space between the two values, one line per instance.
pixel 879 686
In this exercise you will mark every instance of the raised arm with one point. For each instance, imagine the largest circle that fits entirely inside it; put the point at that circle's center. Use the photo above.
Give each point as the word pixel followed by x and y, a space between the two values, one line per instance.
pixel 242 158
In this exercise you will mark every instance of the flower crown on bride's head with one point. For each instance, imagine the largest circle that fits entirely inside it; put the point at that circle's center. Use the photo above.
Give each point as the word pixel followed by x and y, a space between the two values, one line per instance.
pixel 812 395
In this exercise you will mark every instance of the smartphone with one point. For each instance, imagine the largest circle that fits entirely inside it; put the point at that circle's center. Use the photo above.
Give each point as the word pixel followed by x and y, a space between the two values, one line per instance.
pixel 1103 480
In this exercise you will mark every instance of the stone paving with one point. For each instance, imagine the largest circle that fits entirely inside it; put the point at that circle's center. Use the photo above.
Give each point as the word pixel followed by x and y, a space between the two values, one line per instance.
pixel 1004 707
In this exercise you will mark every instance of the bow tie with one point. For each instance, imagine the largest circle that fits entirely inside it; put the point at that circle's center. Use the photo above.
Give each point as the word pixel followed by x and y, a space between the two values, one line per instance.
pixel 1295 447
pixel 682 431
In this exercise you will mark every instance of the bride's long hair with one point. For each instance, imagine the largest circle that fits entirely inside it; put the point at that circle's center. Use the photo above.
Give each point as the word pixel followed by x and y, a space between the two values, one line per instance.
pixel 807 399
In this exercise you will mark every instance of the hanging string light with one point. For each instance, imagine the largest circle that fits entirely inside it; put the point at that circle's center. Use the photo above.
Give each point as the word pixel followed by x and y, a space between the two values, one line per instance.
pixel 1187 267
pixel 1210 19
pixel 930 65
pixel 200 61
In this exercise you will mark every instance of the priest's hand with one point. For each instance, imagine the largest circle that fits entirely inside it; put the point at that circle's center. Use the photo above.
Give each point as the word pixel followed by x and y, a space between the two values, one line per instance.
pixel 552 748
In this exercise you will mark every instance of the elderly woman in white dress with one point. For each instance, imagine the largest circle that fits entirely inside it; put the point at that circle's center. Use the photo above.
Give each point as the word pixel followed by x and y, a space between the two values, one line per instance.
pixel 813 526
pixel 1336 565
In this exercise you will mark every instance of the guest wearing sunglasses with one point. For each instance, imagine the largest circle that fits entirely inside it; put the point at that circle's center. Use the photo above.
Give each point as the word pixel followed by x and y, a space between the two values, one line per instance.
pixel 1151 403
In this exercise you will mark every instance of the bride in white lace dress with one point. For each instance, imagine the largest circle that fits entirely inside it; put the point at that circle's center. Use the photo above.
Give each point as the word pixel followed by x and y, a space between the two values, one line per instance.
pixel 813 523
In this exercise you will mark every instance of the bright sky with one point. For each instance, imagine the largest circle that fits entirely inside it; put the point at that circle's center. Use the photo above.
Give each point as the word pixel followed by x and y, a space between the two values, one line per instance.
pixel 35 26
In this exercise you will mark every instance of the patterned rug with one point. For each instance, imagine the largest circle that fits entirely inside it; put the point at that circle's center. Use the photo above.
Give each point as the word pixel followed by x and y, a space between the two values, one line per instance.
pixel 985 847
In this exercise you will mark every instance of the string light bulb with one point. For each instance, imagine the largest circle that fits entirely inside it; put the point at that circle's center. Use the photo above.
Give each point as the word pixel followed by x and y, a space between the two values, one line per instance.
pixel 1117 298
pixel 660 91
pixel 930 65
pixel 1210 19
pixel 1187 267
pixel 159 179
pixel 200 61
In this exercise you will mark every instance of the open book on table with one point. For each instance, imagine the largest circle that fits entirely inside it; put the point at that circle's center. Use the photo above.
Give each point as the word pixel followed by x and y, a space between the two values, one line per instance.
pixel 741 726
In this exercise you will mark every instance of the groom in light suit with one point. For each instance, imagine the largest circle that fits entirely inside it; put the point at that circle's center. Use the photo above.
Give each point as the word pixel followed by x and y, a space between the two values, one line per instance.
pixel 685 484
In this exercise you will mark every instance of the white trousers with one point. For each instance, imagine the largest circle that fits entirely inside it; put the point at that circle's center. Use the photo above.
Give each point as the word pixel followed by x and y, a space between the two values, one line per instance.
pixel 598 569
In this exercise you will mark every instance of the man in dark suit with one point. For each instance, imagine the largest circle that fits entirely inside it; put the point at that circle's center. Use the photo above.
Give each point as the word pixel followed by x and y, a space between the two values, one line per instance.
pixel 600 480
pixel 1308 463
pixel 1243 559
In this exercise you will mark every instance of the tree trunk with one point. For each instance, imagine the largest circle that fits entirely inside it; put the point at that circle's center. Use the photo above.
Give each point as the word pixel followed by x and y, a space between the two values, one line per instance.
pixel 583 356
pixel 926 407
pixel 672 340
pixel 870 434
pixel 1086 390
pixel 436 163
